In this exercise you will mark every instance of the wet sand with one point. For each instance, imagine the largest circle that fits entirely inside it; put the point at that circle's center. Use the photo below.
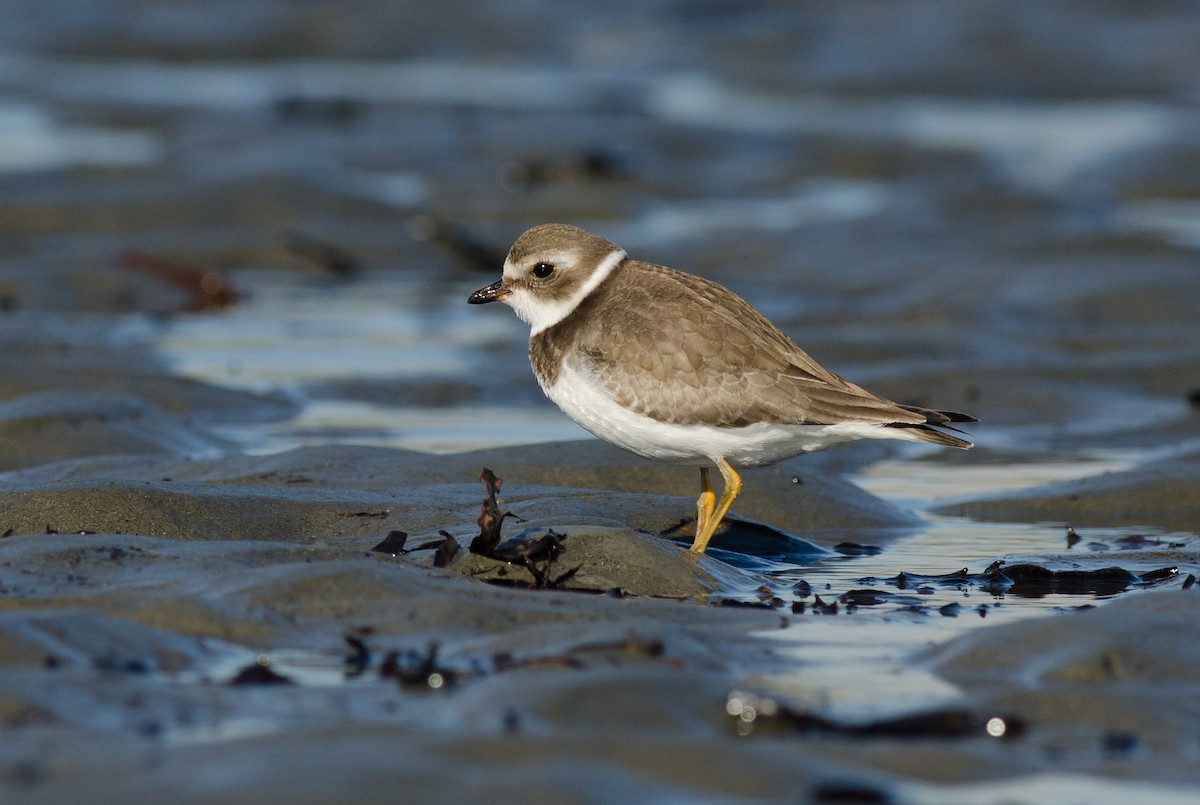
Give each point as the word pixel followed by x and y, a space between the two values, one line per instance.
pixel 193 607
pixel 136 653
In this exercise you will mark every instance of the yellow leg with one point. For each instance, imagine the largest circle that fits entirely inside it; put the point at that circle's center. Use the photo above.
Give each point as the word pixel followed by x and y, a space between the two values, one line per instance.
pixel 705 503
pixel 733 485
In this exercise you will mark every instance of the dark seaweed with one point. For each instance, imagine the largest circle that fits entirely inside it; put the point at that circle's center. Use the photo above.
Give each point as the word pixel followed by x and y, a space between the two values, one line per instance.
pixel 393 543
pixel 209 288
pixel 328 256
pixel 1028 580
pixel 855 549
pixel 426 670
pixel 468 248
pixel 259 673
pixel 490 518
pixel 447 549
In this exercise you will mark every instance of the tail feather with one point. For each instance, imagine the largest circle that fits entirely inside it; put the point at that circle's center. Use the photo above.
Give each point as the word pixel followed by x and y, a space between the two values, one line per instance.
pixel 928 430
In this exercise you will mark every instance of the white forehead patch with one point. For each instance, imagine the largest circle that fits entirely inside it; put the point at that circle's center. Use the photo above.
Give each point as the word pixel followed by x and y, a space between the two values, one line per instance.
pixel 540 313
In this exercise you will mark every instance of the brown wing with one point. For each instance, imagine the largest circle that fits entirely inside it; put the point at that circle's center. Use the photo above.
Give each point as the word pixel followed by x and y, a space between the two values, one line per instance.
pixel 717 359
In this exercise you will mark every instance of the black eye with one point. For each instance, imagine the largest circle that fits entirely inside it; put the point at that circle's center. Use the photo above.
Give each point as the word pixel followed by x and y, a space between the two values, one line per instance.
pixel 543 270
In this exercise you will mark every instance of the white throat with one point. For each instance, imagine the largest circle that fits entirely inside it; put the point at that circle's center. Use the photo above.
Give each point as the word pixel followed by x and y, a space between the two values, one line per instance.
pixel 540 314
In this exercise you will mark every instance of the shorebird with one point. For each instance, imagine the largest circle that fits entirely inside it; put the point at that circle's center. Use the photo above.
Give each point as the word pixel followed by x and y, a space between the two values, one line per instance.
pixel 677 368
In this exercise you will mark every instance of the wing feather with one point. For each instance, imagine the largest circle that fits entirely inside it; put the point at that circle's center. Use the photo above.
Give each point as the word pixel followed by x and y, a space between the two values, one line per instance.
pixel 719 360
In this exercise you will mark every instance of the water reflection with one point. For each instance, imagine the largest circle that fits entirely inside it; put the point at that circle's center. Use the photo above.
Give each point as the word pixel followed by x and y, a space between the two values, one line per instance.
pixel 32 140
pixel 1038 146
pixel 291 330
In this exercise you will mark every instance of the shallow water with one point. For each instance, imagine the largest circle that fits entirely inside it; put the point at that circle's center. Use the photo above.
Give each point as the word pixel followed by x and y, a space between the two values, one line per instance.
pixel 858 664
pixel 304 336
pixel 990 212
pixel 1067 789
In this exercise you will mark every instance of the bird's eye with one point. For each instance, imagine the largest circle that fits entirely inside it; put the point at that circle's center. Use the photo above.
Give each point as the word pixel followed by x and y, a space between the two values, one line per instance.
pixel 543 270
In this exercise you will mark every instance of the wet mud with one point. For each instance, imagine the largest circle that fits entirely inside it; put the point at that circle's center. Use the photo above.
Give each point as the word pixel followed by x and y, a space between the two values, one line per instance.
pixel 281 520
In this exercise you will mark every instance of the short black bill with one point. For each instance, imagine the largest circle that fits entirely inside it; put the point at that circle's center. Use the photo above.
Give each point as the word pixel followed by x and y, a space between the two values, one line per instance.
pixel 489 294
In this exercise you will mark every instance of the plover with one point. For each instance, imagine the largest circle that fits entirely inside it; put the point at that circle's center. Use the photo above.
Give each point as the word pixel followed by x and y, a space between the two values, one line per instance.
pixel 677 368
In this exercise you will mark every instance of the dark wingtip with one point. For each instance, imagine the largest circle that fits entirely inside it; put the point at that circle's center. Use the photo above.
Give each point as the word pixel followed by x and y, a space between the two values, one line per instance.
pixel 934 417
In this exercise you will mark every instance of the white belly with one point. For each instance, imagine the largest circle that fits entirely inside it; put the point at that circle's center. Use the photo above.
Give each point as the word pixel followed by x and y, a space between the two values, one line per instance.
pixel 700 445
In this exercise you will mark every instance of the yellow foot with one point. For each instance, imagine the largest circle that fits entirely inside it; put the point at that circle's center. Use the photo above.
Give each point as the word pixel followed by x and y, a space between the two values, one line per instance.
pixel 707 525
pixel 706 502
